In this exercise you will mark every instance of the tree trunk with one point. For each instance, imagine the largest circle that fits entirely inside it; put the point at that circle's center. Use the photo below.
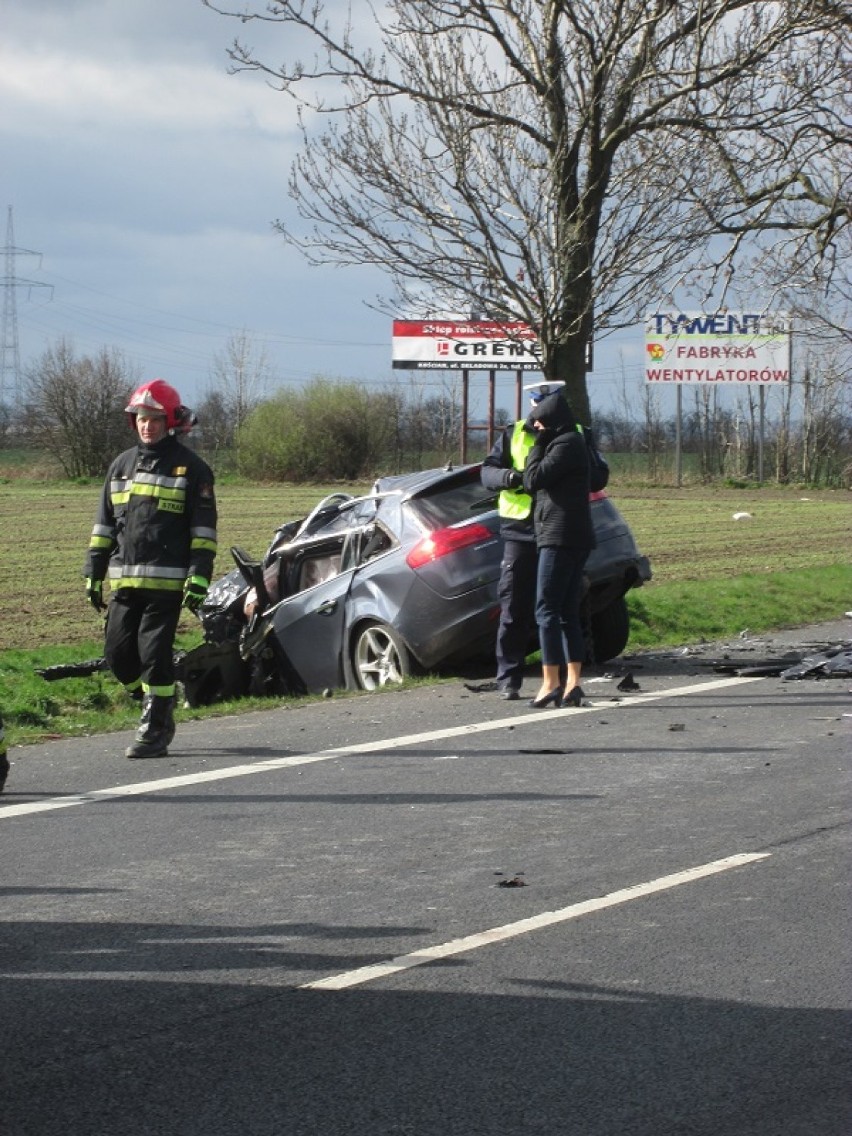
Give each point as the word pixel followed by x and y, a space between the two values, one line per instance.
pixel 567 363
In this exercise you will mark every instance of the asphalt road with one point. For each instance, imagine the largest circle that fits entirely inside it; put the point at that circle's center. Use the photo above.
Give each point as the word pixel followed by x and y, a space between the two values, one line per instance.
pixel 294 925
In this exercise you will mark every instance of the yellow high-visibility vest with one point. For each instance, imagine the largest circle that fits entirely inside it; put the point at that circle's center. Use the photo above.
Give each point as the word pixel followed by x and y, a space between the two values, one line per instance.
pixel 515 504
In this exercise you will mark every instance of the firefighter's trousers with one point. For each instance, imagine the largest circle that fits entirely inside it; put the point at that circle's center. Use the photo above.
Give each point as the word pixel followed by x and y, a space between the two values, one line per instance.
pixel 140 635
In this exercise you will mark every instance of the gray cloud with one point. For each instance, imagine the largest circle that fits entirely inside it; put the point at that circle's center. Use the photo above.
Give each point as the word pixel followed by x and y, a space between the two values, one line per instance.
pixel 148 178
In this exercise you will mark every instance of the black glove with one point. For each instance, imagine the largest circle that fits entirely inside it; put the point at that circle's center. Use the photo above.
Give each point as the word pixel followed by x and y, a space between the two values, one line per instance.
pixel 95 593
pixel 514 479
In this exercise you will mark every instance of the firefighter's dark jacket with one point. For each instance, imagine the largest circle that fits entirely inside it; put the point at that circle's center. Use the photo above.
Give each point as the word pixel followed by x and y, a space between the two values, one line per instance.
pixel 156 522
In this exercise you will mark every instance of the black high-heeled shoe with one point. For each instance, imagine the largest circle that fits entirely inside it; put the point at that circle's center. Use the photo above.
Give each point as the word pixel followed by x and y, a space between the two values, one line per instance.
pixel 546 699
pixel 574 697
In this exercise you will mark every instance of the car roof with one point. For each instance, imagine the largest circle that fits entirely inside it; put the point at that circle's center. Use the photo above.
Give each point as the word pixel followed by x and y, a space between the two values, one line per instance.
pixel 409 484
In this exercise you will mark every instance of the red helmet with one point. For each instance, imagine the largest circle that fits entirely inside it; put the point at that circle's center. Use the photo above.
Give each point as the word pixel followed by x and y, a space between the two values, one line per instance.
pixel 159 397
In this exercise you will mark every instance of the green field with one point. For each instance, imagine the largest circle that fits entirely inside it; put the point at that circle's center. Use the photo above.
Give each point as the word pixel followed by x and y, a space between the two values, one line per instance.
pixel 44 532
pixel 689 534
pixel 787 565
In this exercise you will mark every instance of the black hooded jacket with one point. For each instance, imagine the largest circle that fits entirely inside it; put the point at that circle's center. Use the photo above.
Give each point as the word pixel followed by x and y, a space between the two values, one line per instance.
pixel 557 475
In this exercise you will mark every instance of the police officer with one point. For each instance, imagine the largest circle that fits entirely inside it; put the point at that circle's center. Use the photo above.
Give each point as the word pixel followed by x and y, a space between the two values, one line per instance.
pixel 503 470
pixel 155 534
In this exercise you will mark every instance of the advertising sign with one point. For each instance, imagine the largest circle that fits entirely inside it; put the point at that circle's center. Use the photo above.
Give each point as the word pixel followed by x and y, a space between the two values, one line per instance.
pixel 727 347
pixel 478 345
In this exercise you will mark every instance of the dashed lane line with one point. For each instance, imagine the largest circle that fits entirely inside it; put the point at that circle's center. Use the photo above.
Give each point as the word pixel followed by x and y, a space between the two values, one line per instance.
pixel 365 974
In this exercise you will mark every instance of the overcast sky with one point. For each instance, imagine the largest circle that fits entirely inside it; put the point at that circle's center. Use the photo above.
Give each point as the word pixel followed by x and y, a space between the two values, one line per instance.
pixel 147 179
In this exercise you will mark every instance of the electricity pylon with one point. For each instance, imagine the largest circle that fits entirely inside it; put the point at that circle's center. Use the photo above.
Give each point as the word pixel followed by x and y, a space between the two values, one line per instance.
pixel 10 357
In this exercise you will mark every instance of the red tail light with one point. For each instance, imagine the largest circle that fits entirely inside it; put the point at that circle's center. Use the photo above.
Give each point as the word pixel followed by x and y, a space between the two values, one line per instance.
pixel 444 541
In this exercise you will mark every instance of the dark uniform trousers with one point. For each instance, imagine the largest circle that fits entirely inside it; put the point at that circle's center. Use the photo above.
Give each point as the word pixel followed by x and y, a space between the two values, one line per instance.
pixel 517 610
pixel 139 642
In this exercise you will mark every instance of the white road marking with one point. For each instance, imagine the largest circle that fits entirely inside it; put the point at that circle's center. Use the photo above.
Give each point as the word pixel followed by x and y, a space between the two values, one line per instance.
pixel 142 788
pixel 525 926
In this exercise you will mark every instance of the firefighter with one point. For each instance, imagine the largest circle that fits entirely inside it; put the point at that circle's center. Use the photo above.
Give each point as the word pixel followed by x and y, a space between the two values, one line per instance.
pixel 4 760
pixel 155 535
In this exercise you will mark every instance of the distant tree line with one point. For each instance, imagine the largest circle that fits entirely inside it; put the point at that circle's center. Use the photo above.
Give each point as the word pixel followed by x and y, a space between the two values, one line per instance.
pixel 341 430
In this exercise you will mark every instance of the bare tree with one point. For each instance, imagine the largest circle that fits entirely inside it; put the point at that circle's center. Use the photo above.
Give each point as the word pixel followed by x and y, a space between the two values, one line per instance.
pixel 798 152
pixel 238 378
pixel 571 162
pixel 825 421
pixel 655 435
pixel 75 407
pixel 445 413
pixel 6 419
pixel 413 427
pixel 215 433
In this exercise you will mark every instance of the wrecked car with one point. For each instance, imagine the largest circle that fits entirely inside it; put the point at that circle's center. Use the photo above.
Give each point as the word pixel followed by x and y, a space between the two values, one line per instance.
pixel 366 591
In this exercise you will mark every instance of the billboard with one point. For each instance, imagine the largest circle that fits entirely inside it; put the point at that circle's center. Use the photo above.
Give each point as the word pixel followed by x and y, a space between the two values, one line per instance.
pixel 722 347
pixel 475 345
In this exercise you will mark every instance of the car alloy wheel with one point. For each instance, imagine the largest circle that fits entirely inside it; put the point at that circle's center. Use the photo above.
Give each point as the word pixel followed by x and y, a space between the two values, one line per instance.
pixel 379 658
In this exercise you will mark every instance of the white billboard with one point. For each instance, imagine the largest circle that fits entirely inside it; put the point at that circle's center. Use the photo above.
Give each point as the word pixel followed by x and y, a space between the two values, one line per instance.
pixel 478 345
pixel 722 347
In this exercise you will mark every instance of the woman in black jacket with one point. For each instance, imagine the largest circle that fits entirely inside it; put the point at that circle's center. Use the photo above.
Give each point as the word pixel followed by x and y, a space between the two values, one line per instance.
pixel 557 475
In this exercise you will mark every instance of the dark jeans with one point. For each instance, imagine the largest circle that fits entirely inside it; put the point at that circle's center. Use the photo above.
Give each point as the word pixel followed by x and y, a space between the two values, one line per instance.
pixel 140 637
pixel 557 610
pixel 517 610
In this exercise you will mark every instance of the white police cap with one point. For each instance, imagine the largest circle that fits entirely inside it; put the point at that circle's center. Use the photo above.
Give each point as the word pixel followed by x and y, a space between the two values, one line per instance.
pixel 541 390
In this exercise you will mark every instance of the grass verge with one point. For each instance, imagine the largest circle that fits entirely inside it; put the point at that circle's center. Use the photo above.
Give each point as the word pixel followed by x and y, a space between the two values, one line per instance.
pixel 665 615
pixel 688 611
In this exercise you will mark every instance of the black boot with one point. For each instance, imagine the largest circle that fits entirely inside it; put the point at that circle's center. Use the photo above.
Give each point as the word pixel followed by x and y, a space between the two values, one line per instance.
pixel 169 720
pixel 156 728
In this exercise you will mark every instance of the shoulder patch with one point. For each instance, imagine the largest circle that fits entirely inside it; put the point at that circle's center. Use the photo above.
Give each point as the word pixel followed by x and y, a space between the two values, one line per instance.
pixel 205 489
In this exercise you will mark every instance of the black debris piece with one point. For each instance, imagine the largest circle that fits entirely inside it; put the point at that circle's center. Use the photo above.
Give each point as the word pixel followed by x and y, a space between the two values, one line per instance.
pixel 836 662
pixel 827 661
pixel 545 750
pixel 514 882
pixel 628 682
pixel 755 668
pixel 73 670
pixel 840 666
pixel 767 670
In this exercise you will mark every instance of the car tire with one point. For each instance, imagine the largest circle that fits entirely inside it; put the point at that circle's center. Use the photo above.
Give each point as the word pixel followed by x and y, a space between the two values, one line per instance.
pixel 379 657
pixel 610 630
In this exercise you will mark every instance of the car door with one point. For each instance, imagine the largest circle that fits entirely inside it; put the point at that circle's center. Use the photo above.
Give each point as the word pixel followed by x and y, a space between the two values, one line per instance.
pixel 309 625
